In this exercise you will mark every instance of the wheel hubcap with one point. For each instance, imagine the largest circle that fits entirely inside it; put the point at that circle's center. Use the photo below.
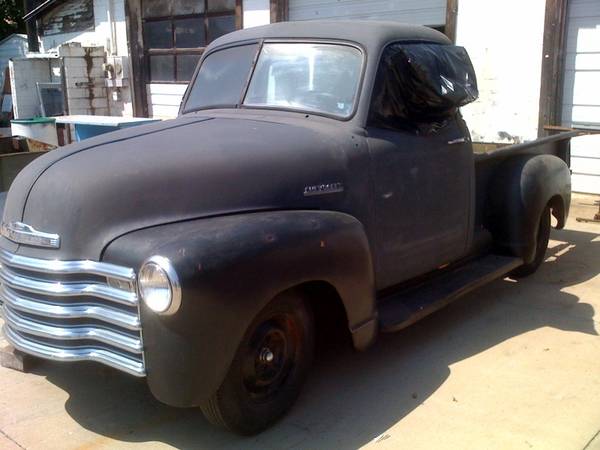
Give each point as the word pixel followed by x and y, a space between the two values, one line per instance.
pixel 269 357
pixel 266 356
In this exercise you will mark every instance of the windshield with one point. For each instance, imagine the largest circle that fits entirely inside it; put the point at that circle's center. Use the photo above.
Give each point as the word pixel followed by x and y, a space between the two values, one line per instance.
pixel 312 77
pixel 222 78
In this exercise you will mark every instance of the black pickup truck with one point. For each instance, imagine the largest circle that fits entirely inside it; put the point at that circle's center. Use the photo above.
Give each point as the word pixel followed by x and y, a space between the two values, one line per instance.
pixel 318 173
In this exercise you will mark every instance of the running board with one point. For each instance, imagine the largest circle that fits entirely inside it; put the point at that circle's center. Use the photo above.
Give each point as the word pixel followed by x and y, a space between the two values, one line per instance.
pixel 406 307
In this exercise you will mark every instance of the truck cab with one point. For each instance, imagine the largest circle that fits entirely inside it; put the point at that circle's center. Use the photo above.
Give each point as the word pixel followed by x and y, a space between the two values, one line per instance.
pixel 317 172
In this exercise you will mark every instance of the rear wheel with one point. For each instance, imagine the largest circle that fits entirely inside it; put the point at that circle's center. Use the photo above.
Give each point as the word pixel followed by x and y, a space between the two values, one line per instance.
pixel 543 236
pixel 268 370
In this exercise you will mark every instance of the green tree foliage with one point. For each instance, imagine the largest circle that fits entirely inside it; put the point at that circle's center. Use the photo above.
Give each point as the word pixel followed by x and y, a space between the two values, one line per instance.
pixel 11 17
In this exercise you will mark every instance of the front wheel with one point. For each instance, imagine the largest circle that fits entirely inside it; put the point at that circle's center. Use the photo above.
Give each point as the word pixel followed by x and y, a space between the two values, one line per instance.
pixel 543 236
pixel 268 370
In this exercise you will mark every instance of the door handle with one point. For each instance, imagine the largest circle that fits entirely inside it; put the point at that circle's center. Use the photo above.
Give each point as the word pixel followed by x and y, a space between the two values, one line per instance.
pixel 461 140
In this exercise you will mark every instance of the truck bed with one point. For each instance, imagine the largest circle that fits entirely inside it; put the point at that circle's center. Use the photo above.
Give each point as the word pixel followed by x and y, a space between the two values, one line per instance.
pixel 487 162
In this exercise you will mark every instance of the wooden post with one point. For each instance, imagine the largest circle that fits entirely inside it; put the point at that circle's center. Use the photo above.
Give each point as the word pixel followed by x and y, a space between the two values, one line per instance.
pixel 279 10
pixel 451 19
pixel 552 65
pixel 133 12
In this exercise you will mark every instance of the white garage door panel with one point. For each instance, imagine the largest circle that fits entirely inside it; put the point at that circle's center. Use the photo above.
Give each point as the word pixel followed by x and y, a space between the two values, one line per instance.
pixel 584 88
pixel 581 115
pixel 584 35
pixel 420 12
pixel 584 8
pixel 587 184
pixel 581 93
pixel 586 146
pixel 164 99
pixel 584 61
pixel 587 166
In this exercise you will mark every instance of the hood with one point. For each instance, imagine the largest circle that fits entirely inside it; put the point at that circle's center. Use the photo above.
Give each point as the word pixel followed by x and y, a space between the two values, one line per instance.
pixel 95 191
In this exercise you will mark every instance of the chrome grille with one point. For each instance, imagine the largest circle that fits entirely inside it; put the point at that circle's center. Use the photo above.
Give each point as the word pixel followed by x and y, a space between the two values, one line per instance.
pixel 72 311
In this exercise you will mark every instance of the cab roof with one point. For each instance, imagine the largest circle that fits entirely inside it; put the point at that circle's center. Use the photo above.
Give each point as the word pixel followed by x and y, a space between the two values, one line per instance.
pixel 370 34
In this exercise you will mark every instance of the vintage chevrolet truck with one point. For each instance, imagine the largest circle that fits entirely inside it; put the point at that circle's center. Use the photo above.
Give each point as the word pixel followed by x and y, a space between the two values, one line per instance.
pixel 318 173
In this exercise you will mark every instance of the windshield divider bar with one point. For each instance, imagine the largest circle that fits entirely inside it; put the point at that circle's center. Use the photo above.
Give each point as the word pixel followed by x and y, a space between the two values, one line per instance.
pixel 251 73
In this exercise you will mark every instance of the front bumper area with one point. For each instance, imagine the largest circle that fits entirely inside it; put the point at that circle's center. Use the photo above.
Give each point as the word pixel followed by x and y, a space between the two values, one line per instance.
pixel 72 311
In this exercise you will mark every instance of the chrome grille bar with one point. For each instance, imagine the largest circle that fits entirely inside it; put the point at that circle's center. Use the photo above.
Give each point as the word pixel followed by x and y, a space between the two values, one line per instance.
pixel 127 320
pixel 80 353
pixel 71 333
pixel 72 311
pixel 60 289
pixel 67 267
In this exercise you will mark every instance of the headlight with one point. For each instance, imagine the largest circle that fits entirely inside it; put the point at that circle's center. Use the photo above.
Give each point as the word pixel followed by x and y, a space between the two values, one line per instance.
pixel 159 285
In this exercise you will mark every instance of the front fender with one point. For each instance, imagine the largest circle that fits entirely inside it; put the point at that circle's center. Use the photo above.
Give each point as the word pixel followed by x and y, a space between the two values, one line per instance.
pixel 230 267
pixel 521 189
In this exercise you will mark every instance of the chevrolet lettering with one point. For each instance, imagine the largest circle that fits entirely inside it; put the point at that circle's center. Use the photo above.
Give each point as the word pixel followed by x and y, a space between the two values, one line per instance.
pixel 22 233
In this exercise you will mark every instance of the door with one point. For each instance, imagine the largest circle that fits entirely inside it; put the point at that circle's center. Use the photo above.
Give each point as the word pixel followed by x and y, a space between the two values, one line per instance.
pixel 581 96
pixel 422 198
pixel 421 159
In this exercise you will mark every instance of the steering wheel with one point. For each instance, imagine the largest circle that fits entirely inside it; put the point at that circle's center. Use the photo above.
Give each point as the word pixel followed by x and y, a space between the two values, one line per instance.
pixel 322 101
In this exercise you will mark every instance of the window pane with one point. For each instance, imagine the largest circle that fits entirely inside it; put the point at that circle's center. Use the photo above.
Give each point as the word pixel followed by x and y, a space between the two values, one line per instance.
pixel 155 8
pixel 220 25
pixel 222 78
pixel 309 77
pixel 186 64
pixel 162 68
pixel 189 33
pixel 221 5
pixel 182 7
pixel 158 34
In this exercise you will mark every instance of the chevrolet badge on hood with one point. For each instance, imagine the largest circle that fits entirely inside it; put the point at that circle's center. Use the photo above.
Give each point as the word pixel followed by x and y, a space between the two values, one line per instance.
pixel 21 233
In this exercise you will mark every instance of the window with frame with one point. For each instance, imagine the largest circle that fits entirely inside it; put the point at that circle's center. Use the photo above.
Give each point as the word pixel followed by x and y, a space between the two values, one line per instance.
pixel 176 33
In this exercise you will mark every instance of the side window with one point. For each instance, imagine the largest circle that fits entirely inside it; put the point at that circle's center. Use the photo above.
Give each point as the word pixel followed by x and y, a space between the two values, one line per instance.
pixel 421 84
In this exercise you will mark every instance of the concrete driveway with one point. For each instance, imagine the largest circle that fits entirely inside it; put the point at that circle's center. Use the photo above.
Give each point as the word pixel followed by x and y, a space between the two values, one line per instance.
pixel 514 365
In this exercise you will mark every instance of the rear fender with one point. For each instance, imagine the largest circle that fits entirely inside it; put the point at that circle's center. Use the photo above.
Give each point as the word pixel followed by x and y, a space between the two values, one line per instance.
pixel 520 190
pixel 230 267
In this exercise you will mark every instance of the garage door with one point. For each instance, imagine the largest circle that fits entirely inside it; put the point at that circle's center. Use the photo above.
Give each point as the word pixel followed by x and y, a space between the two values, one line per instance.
pixel 420 12
pixel 581 95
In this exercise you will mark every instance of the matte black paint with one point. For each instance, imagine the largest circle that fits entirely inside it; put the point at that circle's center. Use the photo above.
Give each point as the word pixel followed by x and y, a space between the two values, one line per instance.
pixel 230 268
pixel 421 206
pixel 220 192
pixel 534 180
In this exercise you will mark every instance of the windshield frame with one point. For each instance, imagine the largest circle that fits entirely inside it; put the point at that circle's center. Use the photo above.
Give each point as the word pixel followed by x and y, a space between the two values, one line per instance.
pixel 240 104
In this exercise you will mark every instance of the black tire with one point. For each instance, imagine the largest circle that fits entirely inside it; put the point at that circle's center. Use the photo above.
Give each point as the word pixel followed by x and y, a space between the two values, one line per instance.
pixel 268 370
pixel 543 236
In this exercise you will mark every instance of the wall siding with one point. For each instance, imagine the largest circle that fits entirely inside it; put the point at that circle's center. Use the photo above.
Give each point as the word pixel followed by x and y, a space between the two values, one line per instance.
pixel 506 50
pixel 581 92
pixel 256 12
pixel 420 12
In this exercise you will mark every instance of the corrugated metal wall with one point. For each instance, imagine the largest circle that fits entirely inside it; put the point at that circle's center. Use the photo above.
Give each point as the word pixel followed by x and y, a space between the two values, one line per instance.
pixel 420 12
pixel 581 96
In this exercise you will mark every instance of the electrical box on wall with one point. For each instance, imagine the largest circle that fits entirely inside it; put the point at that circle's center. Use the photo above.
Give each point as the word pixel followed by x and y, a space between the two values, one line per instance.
pixel 116 71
